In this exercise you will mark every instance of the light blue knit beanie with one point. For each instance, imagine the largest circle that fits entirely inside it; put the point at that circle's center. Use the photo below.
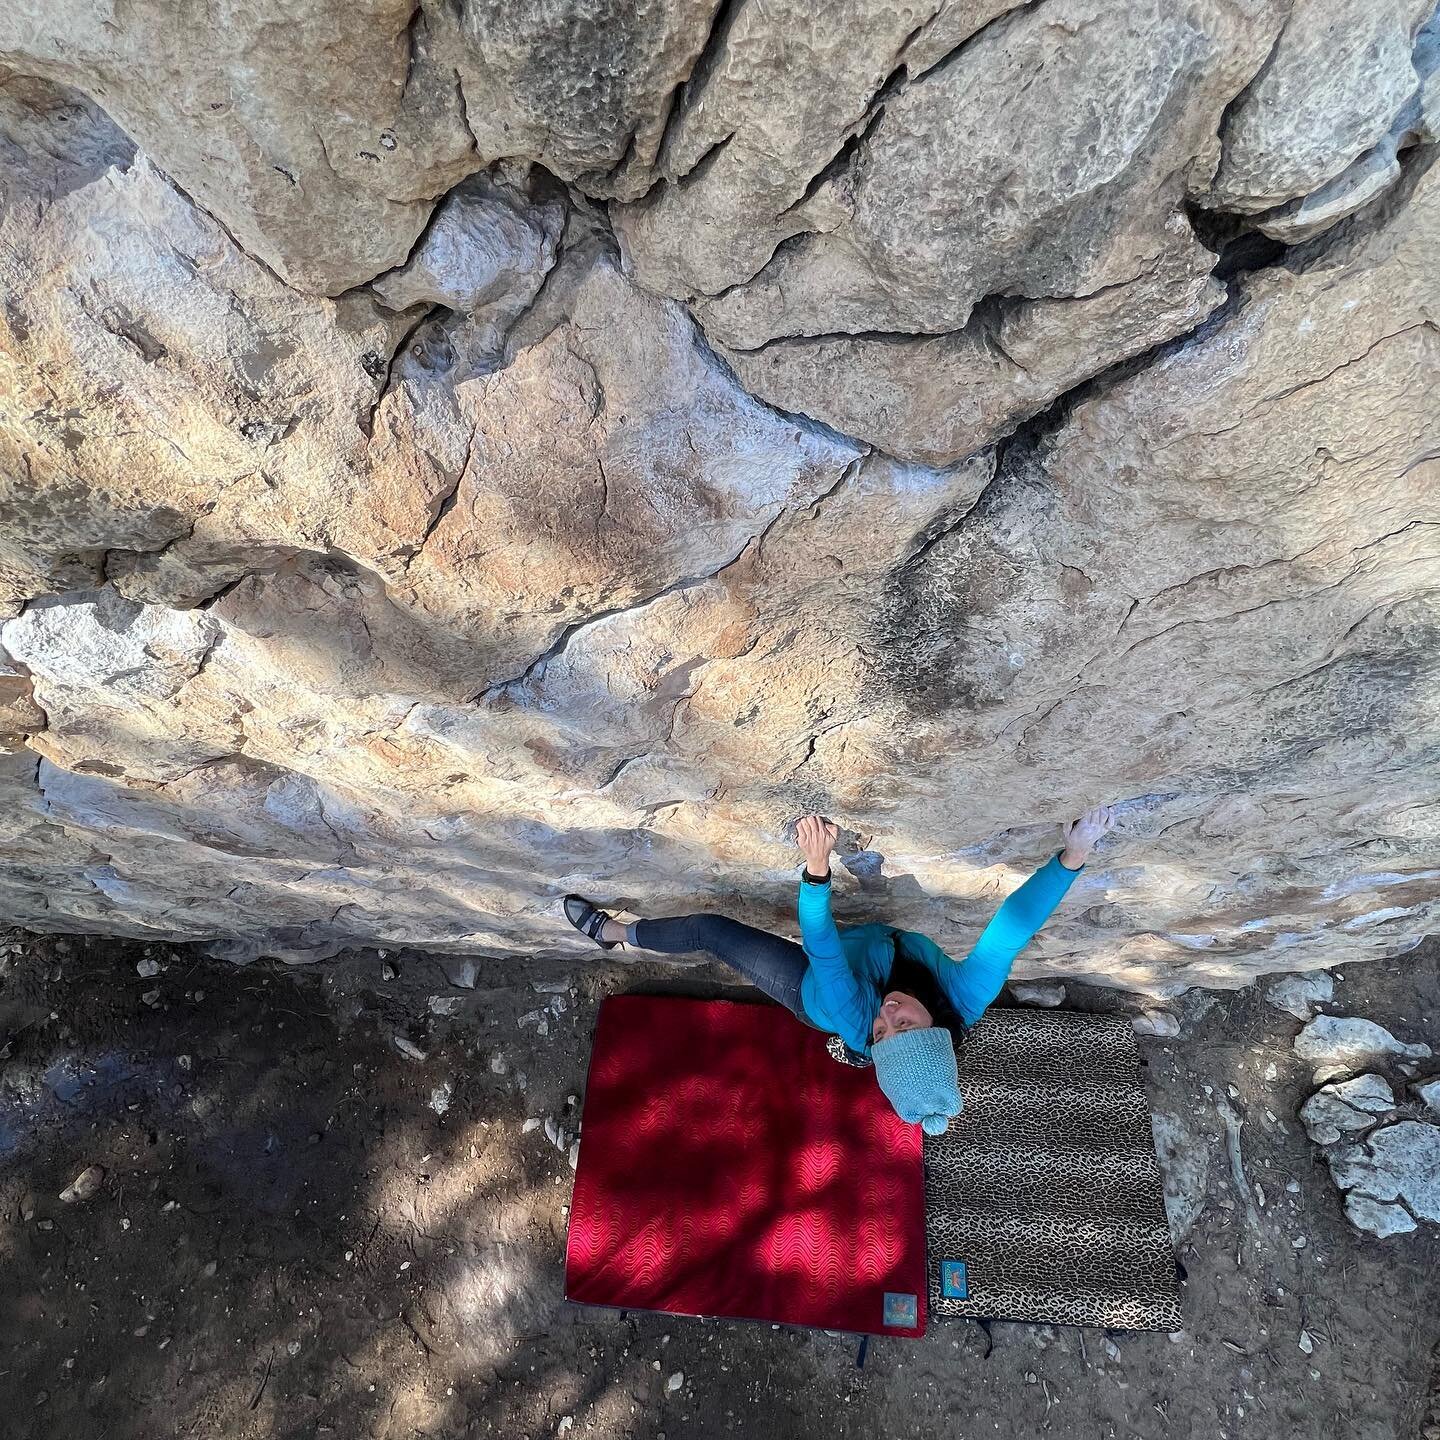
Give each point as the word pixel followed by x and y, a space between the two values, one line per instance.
pixel 917 1071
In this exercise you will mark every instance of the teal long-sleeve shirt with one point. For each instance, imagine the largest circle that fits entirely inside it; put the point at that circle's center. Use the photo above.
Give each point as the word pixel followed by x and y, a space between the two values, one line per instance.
pixel 849 967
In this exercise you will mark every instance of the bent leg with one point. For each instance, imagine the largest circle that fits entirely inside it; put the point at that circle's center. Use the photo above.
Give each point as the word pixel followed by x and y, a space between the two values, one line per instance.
pixel 983 972
pixel 769 963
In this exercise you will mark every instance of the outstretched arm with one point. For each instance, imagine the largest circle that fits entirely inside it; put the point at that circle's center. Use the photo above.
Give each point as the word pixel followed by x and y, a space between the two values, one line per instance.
pixel 818 934
pixel 973 983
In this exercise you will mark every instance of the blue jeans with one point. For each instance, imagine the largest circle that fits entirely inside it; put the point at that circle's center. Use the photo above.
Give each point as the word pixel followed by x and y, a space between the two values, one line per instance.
pixel 769 963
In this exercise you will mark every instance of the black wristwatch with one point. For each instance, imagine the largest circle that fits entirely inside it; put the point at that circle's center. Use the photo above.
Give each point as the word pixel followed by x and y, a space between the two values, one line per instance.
pixel 810 879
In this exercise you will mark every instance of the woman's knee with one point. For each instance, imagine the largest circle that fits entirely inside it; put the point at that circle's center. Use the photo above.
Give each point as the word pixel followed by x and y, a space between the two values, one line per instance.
pixel 716 933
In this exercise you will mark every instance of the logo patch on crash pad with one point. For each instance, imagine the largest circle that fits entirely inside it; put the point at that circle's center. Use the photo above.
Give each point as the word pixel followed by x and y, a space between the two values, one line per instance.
pixel 954 1284
pixel 902 1312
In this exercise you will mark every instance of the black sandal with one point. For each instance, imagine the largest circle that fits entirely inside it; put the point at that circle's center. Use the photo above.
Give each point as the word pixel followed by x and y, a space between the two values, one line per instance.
pixel 587 920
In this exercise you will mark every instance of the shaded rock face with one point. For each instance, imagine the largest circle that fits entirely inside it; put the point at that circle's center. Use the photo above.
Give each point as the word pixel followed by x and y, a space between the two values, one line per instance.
pixel 453 455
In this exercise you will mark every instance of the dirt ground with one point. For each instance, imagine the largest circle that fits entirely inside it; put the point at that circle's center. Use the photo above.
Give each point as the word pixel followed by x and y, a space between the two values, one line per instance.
pixel 292 1240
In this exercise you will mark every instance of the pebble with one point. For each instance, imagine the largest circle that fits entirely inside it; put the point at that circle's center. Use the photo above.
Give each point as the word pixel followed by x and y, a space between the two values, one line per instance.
pixel 147 969
pixel 445 1004
pixel 440 1097
pixel 84 1185
pixel 409 1047
pixel 388 972
pixel 675 1381
pixel 293 1347
pixel 531 1124
pixel 1112 1350
pixel 1307 1345
pixel 151 997
pixel 1155 1022
pixel 566 1421
pixel 1298 995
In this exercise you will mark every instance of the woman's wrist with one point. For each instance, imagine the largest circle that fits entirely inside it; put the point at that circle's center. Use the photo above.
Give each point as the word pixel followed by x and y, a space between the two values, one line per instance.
pixel 1073 859
pixel 817 873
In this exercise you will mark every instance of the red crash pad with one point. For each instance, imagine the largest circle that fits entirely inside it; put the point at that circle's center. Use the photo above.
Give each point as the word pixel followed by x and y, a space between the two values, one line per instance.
pixel 728 1166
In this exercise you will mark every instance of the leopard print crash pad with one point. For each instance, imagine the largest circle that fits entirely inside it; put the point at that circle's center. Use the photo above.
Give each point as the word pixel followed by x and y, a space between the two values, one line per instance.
pixel 1047 1187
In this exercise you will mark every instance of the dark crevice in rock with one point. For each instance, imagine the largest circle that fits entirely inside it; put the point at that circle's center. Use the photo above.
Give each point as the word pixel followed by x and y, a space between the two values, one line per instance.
pixel 587 239
pixel 947 522
pixel 536 668
pixel 844 157
pixel 217 596
pixel 804 422
pixel 877 337
pixel 687 94
pixel 367 421
pixel 1247 253
pixel 1239 248
pixel 410 254
pixel 229 234
pixel 1415 163
pixel 107 557
pixel 999 24
pixel 465 115
pixel 445 501
pixel 413 28
pixel 789 242
pixel 1232 105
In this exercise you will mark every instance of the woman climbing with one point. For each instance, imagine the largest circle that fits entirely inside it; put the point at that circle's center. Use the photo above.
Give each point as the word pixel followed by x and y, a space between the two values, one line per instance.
pixel 892 996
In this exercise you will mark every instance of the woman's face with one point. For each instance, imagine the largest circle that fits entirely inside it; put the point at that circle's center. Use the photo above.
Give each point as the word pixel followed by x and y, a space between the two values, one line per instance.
pixel 899 1011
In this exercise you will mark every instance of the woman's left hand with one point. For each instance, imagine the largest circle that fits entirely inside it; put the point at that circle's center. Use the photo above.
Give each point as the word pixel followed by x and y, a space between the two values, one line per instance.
pixel 816 838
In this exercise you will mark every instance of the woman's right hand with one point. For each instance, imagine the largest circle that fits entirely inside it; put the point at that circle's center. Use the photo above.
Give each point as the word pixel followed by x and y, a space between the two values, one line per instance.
pixel 1082 835
pixel 816 838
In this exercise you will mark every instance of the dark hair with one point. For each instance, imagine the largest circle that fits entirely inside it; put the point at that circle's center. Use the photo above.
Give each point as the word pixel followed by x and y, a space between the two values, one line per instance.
pixel 914 978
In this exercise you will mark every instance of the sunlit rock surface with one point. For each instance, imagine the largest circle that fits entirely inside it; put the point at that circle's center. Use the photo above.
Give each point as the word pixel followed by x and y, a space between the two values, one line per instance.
pixel 451 457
